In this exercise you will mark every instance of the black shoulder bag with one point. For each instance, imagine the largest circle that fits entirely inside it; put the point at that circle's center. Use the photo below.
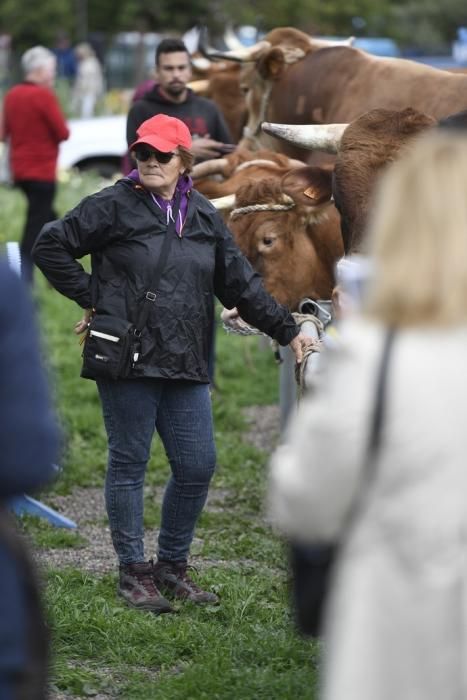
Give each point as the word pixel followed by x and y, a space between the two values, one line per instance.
pixel 312 565
pixel 113 344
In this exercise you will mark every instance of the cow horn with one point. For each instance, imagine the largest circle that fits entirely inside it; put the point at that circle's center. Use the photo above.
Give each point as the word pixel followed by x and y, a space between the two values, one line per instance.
pixel 200 87
pixel 201 63
pixel 226 202
pixel 241 55
pixel 191 39
pixel 321 137
pixel 294 163
pixel 231 39
pixel 208 167
pixel 326 43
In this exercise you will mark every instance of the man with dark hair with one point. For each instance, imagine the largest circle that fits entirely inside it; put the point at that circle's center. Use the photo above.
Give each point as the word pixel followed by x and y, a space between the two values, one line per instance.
pixel 170 95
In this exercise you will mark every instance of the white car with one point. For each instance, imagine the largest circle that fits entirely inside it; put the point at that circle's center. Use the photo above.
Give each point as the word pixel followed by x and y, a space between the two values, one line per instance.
pixel 98 143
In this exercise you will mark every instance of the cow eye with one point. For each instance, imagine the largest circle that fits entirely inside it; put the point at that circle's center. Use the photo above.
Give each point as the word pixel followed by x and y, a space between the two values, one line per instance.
pixel 268 241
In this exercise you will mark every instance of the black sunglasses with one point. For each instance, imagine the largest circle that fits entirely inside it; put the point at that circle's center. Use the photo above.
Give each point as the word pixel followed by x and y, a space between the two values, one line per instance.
pixel 144 154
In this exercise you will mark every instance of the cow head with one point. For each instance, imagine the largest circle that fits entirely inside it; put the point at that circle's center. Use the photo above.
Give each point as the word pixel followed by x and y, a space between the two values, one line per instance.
pixel 286 47
pixel 264 64
pixel 368 145
pixel 364 148
pixel 289 230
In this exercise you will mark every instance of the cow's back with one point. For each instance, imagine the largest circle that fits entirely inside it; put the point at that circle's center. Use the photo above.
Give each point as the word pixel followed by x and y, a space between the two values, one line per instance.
pixel 338 84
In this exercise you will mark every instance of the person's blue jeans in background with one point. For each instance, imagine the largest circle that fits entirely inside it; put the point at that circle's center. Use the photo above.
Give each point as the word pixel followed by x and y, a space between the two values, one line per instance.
pixel 181 413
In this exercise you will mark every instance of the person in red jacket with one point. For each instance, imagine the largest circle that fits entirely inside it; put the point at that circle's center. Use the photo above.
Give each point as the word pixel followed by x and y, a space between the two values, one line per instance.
pixel 34 126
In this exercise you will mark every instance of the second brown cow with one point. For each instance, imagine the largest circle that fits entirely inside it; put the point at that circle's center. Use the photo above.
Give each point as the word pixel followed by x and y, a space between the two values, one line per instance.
pixel 289 229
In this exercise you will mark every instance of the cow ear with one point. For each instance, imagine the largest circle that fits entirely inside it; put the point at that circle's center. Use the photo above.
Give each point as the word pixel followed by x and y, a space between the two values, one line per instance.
pixel 271 65
pixel 309 186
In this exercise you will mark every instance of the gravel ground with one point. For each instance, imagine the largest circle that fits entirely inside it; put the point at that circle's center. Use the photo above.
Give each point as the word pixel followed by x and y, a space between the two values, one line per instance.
pixel 86 507
pixel 263 430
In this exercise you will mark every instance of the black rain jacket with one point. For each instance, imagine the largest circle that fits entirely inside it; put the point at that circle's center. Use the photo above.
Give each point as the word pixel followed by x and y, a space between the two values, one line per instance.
pixel 123 230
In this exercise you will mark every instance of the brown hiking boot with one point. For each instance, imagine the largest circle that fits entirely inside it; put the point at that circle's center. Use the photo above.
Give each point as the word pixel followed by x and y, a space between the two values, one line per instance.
pixel 137 587
pixel 172 578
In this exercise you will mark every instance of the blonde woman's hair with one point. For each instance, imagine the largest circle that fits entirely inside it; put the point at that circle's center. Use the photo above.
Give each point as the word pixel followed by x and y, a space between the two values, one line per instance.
pixel 84 50
pixel 417 235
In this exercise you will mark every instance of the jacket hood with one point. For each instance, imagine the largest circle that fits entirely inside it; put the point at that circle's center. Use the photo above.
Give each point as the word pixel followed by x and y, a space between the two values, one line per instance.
pixel 184 185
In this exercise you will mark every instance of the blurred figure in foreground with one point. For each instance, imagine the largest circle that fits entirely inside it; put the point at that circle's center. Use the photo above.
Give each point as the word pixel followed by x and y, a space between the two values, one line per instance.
pixel 397 621
pixel 89 83
pixel 28 447
pixel 34 126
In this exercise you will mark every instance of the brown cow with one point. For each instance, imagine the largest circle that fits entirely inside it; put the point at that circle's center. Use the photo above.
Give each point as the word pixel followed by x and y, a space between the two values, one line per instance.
pixel 220 82
pixel 363 149
pixel 225 90
pixel 338 84
pixel 288 228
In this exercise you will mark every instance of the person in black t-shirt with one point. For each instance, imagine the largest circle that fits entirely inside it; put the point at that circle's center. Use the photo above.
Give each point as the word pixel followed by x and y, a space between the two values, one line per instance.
pixel 170 95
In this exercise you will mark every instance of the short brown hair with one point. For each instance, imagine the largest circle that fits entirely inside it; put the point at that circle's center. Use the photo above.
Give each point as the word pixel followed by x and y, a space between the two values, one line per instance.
pixel 187 158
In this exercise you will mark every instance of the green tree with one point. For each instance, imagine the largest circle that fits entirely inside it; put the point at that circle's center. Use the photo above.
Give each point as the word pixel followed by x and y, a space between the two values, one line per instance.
pixel 412 22
pixel 36 22
pixel 427 23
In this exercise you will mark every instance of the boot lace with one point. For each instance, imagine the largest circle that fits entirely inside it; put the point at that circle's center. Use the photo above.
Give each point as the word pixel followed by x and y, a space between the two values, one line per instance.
pixel 145 578
pixel 184 576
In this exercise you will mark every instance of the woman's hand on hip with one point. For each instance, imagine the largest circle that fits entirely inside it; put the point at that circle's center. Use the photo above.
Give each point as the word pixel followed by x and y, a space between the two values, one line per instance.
pixel 82 325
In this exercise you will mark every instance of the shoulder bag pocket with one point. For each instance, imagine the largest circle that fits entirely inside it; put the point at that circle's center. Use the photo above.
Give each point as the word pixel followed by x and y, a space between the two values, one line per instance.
pixel 106 351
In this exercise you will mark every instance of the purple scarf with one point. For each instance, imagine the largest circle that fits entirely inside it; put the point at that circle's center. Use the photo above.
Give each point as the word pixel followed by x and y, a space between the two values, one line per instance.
pixel 184 185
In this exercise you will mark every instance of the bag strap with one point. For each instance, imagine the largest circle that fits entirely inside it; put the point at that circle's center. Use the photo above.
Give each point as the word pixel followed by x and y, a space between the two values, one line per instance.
pixel 380 399
pixel 151 294
pixel 376 425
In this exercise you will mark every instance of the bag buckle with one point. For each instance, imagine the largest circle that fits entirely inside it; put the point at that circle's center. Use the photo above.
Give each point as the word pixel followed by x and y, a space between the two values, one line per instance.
pixel 151 296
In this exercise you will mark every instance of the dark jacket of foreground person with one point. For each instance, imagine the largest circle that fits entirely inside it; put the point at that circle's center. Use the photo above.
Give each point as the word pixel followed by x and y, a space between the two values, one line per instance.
pixel 28 446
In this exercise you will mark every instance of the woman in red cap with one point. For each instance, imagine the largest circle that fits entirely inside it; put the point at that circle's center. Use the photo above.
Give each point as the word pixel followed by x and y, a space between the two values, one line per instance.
pixel 159 253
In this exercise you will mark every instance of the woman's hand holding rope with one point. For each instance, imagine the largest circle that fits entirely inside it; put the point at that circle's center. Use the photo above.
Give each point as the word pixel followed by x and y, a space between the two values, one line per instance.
pixel 301 346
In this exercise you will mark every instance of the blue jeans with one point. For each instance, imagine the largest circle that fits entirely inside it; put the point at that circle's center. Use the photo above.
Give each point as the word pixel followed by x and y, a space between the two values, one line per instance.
pixel 180 411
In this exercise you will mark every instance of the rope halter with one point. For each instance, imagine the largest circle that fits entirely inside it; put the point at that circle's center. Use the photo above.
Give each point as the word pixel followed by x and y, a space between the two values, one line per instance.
pixel 285 204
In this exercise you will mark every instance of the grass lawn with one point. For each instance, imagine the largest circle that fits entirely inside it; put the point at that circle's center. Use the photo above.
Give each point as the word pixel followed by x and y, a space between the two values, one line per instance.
pixel 243 649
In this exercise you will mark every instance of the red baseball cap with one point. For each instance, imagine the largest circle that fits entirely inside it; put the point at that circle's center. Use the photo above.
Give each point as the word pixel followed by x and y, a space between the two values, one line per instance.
pixel 163 133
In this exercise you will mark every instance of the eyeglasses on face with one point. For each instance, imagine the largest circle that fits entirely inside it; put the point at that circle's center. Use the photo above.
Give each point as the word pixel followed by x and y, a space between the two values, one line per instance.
pixel 144 154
